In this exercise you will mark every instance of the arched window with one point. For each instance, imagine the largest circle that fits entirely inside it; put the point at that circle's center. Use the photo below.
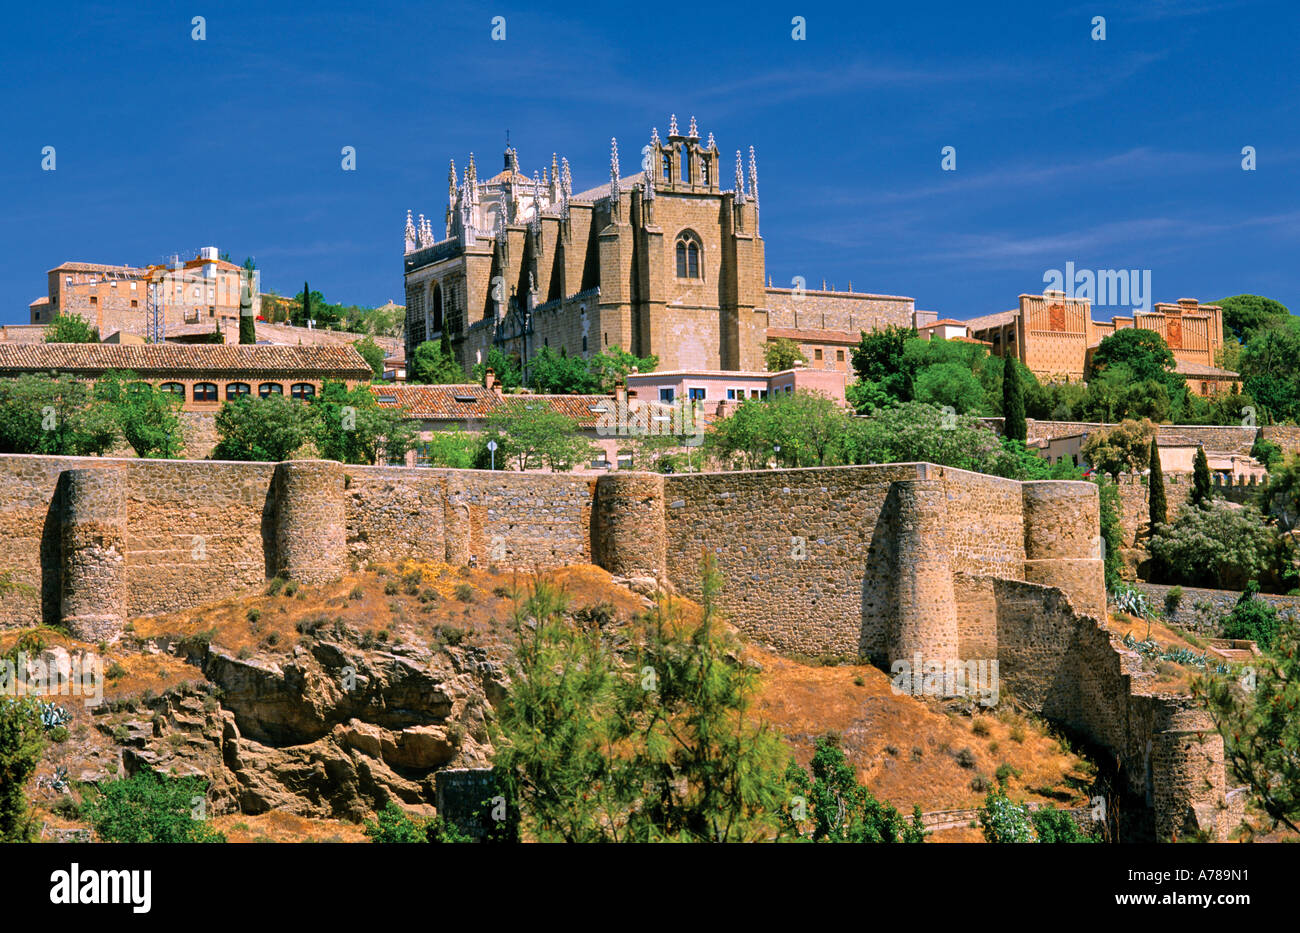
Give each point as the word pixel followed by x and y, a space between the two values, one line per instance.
pixel 689 254
pixel 205 391
pixel 175 388
pixel 706 171
pixel 303 390
pixel 236 389
pixel 437 309
pixel 686 164
pixel 667 166
pixel 270 388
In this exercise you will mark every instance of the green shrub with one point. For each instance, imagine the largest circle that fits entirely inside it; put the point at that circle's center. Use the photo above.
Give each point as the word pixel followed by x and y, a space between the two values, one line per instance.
pixel 1252 618
pixel 390 588
pixel 149 808
pixel 1005 772
pixel 21 741
pixel 1173 599
pixel 464 592
pixel 254 615
pixel 1004 821
pixel 1052 825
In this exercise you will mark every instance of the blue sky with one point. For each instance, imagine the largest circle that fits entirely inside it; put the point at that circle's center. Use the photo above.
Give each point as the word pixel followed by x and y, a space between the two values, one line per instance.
pixel 1115 154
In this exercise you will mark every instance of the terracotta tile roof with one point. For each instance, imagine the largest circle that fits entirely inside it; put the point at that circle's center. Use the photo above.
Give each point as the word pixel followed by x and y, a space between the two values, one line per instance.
pixel 94 358
pixel 992 320
pixel 815 336
pixel 948 322
pixel 1186 368
pixel 473 402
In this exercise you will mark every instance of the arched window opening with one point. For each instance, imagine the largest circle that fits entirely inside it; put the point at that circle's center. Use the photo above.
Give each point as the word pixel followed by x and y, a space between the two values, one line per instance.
pixel 270 388
pixel 667 161
pixel 236 389
pixel 681 259
pixel 686 164
pixel 689 253
pixel 303 390
pixel 437 309
pixel 205 391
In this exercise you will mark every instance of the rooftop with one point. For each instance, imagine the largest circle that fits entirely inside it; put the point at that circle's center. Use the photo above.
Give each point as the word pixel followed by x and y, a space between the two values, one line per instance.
pixel 93 358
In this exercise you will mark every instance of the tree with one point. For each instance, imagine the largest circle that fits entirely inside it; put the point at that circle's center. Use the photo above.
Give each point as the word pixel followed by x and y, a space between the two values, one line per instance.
pixel 613 365
pixel 1052 826
pixel 53 415
pixel 656 745
pixel 1243 315
pixel 1016 461
pixel 267 429
pixel 878 363
pixel 950 385
pixel 1123 448
pixel 745 435
pixel 781 354
pixel 701 768
pixel 21 739
pixel 915 431
pixel 306 303
pixel 148 808
pixel 839 808
pixel 145 414
pixel 1202 491
pixel 532 433
pixel 1158 506
pixel 1013 402
pixel 1217 545
pixel 560 374
pixel 70 328
pixel 372 353
pixel 457 449
pixel 1252 618
pixel 1112 534
pixel 435 364
pixel 1142 351
pixel 505 369
pixel 349 426
pixel 810 428
pixel 247 323
pixel 1004 821
pixel 1269 371
pixel 1256 715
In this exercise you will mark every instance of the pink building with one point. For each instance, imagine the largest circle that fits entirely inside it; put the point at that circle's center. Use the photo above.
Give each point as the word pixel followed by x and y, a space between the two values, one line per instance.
pixel 714 389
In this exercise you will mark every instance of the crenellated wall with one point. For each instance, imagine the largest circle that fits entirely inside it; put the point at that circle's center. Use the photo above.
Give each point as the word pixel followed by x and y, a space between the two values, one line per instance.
pixel 882 561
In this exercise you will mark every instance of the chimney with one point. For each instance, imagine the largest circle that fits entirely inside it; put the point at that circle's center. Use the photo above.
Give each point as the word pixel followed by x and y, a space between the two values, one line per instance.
pixel 620 393
pixel 490 382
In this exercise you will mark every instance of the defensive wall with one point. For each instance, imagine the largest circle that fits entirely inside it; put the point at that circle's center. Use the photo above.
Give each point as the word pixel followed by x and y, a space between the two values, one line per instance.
pixel 889 561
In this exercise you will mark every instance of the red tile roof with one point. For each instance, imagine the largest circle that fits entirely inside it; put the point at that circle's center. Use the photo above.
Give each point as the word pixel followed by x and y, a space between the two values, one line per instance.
pixel 472 401
pixel 95 358
pixel 813 336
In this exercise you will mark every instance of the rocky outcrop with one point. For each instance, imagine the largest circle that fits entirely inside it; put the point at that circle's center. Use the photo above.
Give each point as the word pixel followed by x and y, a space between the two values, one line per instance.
pixel 330 730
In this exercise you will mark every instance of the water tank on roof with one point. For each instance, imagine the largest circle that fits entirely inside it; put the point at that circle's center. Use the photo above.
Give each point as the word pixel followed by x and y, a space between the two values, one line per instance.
pixel 209 253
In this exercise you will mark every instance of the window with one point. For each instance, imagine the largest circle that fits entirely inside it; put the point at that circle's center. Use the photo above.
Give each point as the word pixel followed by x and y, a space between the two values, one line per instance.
pixel 236 389
pixel 817 354
pixel 173 387
pixel 205 391
pixel 584 343
pixel 303 390
pixel 839 356
pixel 94 300
pixel 269 388
pixel 1205 388
pixel 688 252
pixel 437 309
pixel 758 393
pixel 686 164
pixel 133 284
pixel 667 171
pixel 789 389
pixel 706 171
pixel 696 395
pixel 665 395
pixel 135 303
pixel 735 394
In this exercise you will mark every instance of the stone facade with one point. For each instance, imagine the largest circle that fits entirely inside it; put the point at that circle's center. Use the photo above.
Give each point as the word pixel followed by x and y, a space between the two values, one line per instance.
pixel 663 262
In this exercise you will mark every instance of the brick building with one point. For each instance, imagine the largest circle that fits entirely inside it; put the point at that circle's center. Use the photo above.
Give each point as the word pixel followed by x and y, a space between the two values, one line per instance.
pixel 664 261
pixel 1054 336
pixel 197 295
pixel 205 376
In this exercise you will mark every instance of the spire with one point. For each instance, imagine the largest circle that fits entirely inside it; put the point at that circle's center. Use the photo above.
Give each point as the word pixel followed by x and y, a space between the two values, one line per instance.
pixel 514 160
pixel 740 181
pixel 654 136
pixel 452 184
pixel 710 145
pixel 471 173
pixel 566 188
pixel 672 125
pixel 614 192
pixel 537 202
pixel 753 185
pixel 693 133
pixel 410 233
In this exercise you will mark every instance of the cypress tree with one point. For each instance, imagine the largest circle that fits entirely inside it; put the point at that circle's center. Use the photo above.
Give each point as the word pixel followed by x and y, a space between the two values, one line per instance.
pixel 247 326
pixel 306 304
pixel 1201 491
pixel 1159 506
pixel 1013 402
